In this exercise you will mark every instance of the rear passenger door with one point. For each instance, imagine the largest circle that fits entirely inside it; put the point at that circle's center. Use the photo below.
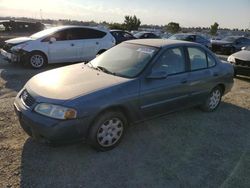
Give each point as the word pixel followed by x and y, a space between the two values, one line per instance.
pixel 91 42
pixel 202 74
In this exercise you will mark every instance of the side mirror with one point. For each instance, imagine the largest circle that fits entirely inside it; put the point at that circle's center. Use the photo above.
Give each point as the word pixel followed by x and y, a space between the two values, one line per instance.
pixel 52 39
pixel 157 75
pixel 243 48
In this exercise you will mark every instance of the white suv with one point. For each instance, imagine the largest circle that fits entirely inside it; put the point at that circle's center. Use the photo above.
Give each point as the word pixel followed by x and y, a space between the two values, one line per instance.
pixel 58 45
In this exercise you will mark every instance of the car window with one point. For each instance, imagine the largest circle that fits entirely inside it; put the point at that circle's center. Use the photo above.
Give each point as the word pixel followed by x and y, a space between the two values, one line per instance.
pixel 85 33
pixel 133 60
pixel 197 58
pixel 210 60
pixel 200 39
pixel 171 61
pixel 59 36
pixel 127 36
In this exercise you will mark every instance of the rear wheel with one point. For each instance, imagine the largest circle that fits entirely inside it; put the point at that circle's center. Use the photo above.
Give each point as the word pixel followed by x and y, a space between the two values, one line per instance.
pixel 213 100
pixel 107 131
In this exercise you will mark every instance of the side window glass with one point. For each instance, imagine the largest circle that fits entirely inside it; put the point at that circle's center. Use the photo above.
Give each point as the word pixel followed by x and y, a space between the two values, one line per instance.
pixel 210 60
pixel 172 61
pixel 197 58
pixel 60 35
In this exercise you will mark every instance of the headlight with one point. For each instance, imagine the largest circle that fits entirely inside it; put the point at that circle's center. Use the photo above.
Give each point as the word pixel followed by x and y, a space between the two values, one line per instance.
pixel 231 59
pixel 19 47
pixel 55 111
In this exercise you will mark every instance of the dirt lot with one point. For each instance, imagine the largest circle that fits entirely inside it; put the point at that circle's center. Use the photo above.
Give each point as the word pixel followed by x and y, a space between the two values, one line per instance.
pixel 184 149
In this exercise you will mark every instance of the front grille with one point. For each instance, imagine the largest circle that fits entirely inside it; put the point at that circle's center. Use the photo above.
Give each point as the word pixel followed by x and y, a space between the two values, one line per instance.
pixel 242 63
pixel 27 99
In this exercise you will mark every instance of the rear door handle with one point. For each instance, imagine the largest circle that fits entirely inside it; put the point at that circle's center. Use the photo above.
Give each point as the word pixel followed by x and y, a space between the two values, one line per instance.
pixel 97 43
pixel 72 44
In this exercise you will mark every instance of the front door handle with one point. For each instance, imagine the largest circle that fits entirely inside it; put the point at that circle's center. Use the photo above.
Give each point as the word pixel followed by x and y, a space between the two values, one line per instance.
pixel 97 43
pixel 215 74
pixel 72 44
pixel 184 81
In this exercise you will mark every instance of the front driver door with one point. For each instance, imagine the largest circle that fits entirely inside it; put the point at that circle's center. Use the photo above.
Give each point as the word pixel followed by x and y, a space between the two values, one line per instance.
pixel 64 49
pixel 166 94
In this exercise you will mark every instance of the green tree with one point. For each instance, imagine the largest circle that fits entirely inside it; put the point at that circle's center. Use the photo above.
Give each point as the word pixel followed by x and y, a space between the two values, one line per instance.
pixel 131 23
pixel 173 27
pixel 214 28
pixel 116 26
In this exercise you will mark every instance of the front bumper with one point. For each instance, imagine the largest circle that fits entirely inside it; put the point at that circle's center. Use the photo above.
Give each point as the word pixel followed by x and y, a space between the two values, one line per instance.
pixel 14 56
pixel 9 56
pixel 49 130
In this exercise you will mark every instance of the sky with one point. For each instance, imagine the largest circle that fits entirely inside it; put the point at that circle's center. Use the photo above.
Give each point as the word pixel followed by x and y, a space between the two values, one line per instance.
pixel 189 13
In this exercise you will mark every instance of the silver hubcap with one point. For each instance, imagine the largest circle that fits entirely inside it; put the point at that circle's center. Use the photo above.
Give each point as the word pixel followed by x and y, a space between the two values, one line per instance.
pixel 214 99
pixel 37 61
pixel 110 132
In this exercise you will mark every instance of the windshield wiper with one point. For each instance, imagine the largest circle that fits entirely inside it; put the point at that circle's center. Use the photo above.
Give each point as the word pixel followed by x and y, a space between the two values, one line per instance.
pixel 103 69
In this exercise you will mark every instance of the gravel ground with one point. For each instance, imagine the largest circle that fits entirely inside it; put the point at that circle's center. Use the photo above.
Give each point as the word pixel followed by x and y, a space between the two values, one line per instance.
pixel 189 148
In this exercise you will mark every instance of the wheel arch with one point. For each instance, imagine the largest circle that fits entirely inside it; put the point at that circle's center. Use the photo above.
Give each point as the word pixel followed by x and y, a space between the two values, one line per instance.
pixel 119 108
pixel 222 86
pixel 39 51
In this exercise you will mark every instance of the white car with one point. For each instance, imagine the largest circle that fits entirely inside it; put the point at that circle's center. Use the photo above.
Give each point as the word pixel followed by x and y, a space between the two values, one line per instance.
pixel 58 45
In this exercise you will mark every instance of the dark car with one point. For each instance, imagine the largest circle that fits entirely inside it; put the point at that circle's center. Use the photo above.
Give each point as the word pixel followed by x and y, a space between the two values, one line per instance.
pixel 146 35
pixel 121 36
pixel 230 45
pixel 192 38
pixel 241 61
pixel 132 81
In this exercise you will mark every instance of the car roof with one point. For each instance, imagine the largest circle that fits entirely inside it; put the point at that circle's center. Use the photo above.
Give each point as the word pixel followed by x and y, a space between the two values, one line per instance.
pixel 77 26
pixel 158 43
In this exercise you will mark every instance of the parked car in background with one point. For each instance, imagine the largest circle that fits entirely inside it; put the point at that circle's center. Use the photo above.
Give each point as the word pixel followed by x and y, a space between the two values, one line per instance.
pixel 134 80
pixel 146 35
pixel 230 44
pixel 191 37
pixel 121 36
pixel 15 28
pixel 241 61
pixel 58 45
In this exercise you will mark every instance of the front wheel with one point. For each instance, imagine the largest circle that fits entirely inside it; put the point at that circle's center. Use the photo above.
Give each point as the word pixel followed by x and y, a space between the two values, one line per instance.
pixel 213 100
pixel 36 60
pixel 107 131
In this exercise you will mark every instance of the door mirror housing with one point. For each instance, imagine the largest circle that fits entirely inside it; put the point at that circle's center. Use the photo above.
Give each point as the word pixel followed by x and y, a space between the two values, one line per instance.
pixel 243 48
pixel 157 75
pixel 52 39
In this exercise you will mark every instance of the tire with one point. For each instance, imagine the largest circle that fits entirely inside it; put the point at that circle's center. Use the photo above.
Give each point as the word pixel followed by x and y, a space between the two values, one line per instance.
pixel 36 60
pixel 107 130
pixel 213 100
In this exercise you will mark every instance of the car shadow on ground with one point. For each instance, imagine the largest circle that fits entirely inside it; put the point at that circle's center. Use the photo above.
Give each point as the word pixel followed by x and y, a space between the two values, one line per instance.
pixel 184 149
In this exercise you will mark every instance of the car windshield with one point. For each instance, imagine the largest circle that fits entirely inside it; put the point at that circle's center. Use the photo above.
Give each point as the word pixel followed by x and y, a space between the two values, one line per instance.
pixel 230 39
pixel 44 33
pixel 125 60
pixel 138 35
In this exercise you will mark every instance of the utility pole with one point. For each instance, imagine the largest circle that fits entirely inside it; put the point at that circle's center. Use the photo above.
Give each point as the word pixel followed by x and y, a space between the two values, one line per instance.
pixel 41 14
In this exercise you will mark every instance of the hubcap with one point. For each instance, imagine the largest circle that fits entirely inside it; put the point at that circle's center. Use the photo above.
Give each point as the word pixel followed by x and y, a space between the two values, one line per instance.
pixel 37 61
pixel 214 99
pixel 110 132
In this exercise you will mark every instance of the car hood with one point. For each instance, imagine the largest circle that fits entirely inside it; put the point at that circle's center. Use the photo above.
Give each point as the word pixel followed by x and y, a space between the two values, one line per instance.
pixel 18 40
pixel 242 55
pixel 220 42
pixel 70 82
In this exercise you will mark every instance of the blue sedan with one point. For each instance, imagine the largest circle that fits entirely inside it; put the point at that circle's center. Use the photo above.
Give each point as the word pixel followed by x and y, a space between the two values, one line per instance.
pixel 132 81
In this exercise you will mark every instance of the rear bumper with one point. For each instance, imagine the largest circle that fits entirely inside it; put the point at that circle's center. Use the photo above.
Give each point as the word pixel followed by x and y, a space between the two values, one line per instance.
pixel 49 130
pixel 242 70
